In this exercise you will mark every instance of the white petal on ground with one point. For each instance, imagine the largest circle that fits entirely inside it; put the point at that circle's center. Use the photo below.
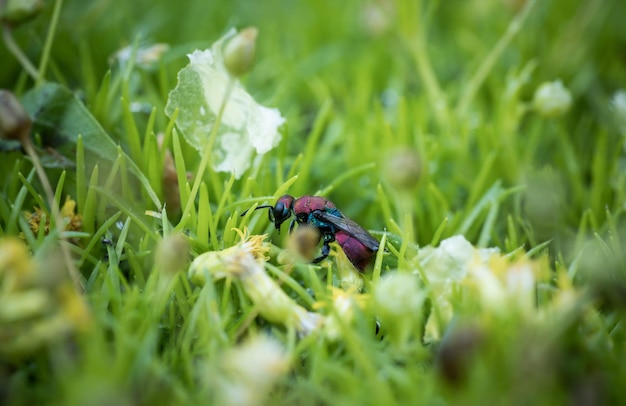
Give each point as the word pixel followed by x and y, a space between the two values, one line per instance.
pixel 450 261
pixel 246 127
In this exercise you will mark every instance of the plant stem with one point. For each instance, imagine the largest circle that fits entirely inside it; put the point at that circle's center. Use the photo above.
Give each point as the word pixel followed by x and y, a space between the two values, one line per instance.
pixel 9 41
pixel 206 155
pixel 429 79
pixel 56 213
pixel 481 74
pixel 48 44
pixel 416 35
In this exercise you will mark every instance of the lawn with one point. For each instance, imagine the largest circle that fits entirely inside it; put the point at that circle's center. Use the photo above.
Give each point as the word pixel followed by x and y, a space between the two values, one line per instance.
pixel 480 145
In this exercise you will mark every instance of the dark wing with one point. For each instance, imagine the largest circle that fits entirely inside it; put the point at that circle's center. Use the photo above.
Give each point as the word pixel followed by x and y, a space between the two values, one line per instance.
pixel 350 227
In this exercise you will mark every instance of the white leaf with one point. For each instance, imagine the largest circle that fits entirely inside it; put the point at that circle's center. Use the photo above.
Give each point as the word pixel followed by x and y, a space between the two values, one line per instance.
pixel 246 127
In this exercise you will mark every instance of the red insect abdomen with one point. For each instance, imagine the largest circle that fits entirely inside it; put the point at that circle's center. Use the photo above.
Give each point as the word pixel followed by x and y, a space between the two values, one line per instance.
pixel 356 252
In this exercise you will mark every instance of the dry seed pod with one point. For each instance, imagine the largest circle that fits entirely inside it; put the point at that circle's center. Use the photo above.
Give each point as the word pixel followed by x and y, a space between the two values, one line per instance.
pixel 15 123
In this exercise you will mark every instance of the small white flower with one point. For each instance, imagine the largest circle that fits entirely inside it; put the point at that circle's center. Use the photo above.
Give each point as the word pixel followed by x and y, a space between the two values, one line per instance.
pixel 552 99
pixel 450 261
pixel 145 57
pixel 398 298
pixel 250 370
pixel 376 16
pixel 398 295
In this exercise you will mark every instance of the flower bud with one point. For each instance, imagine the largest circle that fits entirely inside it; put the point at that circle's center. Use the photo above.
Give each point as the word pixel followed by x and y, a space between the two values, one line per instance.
pixel 399 299
pixel 14 120
pixel 304 241
pixel 460 343
pixel 403 168
pixel 144 57
pixel 230 262
pixel 17 11
pixel 240 52
pixel 172 254
pixel 552 99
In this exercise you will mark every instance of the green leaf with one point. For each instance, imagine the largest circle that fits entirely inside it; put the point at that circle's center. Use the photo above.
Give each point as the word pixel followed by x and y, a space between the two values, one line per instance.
pixel 60 116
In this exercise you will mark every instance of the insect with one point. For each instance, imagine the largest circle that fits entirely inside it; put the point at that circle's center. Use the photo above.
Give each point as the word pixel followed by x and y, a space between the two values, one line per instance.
pixel 315 211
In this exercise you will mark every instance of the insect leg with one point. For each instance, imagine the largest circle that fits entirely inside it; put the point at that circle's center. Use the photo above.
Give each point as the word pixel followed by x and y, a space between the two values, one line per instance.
pixel 293 223
pixel 325 252
pixel 328 238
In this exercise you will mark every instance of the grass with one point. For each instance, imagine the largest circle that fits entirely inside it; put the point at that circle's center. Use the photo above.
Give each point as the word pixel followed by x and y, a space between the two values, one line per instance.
pixel 415 118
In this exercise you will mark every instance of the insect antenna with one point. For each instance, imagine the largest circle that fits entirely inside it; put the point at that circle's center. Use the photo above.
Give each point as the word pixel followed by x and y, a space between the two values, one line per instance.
pixel 265 206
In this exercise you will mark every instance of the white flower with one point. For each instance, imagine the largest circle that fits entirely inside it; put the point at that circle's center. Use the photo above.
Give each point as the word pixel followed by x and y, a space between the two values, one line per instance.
pixel 505 287
pixel 445 268
pixel 145 57
pixel 450 261
pixel 398 295
pixel 250 370
pixel 398 298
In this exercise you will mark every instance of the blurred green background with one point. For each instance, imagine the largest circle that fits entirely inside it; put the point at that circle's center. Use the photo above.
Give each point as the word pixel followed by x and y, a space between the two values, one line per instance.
pixel 431 103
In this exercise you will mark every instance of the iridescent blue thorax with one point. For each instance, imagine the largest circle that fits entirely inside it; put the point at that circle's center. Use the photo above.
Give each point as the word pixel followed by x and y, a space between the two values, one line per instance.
pixel 324 226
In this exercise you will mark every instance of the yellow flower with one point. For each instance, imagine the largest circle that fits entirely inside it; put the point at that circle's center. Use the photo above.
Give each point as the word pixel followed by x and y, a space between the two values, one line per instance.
pixel 36 308
pixel 73 306
pixel 16 266
pixel 456 271
pixel 23 305
pixel 72 220
pixel 343 305
pixel 505 287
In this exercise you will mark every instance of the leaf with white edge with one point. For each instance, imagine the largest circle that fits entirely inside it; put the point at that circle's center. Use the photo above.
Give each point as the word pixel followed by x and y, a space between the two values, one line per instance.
pixel 246 127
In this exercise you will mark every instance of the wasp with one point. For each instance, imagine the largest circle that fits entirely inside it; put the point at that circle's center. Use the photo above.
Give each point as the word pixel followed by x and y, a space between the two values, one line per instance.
pixel 322 214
